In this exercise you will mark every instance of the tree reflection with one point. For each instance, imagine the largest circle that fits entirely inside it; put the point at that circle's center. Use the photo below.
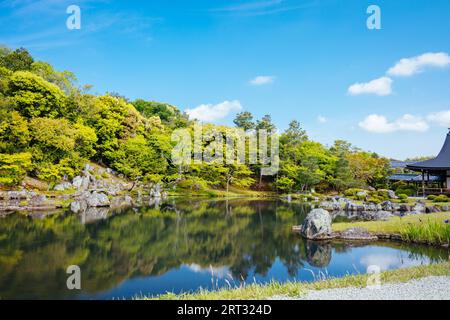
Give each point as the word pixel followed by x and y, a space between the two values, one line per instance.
pixel 245 236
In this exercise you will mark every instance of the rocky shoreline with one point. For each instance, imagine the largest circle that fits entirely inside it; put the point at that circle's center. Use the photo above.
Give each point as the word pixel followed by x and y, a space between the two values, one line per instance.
pixel 96 187
pixel 382 211
pixel 318 227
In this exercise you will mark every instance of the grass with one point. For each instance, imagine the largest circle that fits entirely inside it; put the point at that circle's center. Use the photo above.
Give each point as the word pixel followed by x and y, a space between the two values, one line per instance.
pixel 431 232
pixel 295 289
pixel 425 228
pixel 219 193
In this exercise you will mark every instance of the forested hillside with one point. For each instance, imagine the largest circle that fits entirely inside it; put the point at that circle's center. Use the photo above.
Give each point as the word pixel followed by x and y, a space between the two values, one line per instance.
pixel 51 126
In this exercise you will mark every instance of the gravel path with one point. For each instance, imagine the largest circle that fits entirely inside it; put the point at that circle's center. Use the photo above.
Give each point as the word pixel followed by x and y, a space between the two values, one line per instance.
pixel 430 288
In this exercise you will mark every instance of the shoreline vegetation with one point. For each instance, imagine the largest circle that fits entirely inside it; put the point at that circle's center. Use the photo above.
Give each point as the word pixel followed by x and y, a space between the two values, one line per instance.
pixel 429 229
pixel 51 127
pixel 297 289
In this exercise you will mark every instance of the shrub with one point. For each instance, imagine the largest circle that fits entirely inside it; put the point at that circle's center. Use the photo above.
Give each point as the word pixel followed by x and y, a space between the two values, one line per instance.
pixel 403 196
pixel 196 184
pixel 410 192
pixel 432 197
pixel 441 198
pixel 383 193
pixel 375 199
pixel 13 168
pixel 352 192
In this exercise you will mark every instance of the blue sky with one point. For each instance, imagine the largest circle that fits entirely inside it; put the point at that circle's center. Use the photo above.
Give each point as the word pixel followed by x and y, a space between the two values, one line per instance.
pixel 310 60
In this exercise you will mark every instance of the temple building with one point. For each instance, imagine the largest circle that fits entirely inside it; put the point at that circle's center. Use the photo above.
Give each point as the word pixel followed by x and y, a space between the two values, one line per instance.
pixel 434 176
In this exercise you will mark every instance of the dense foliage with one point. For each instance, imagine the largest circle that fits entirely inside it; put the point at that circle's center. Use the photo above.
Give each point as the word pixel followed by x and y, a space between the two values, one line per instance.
pixel 50 127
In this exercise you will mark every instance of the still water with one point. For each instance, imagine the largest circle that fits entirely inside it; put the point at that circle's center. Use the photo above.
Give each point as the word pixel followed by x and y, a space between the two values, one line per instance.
pixel 178 246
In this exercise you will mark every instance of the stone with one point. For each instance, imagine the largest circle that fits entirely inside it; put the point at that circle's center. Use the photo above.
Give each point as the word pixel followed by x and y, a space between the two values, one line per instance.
pixel 87 169
pixel 404 208
pixel 63 186
pixel 96 199
pixel 317 225
pixel 38 200
pixel 392 194
pixel 330 206
pixel 375 215
pixel 387 206
pixel 88 200
pixel 155 192
pixel 361 194
pixel 419 207
pixel 382 215
pixel 30 183
pixel 356 234
pixel 81 183
pixel 432 209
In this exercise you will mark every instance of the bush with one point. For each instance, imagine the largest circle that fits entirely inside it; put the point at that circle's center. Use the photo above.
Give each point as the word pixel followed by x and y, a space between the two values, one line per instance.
pixel 383 193
pixel 432 197
pixel 410 192
pixel 13 168
pixel 441 198
pixel 352 192
pixel 196 184
pixel 375 199
pixel 403 196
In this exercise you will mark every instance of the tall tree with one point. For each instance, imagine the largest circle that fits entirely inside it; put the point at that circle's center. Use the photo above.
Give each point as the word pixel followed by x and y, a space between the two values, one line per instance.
pixel 265 124
pixel 244 120
pixel 19 59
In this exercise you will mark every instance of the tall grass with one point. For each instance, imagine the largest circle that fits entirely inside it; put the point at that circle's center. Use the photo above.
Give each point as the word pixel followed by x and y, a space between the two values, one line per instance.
pixel 435 232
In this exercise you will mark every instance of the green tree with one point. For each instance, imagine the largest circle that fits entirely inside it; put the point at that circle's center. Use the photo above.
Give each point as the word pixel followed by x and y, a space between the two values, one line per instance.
pixel 244 120
pixel 13 168
pixel 63 79
pixel 35 97
pixel 265 124
pixel 136 159
pixel 14 133
pixel 19 59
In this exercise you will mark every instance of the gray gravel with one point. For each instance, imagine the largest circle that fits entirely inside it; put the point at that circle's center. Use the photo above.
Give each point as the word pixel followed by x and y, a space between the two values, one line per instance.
pixel 430 288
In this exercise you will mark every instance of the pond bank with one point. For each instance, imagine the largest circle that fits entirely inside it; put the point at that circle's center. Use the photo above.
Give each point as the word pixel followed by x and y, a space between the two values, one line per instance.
pixel 429 229
pixel 429 288
pixel 296 289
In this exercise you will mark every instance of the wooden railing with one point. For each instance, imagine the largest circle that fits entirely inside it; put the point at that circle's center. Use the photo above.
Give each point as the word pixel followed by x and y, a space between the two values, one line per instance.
pixel 434 191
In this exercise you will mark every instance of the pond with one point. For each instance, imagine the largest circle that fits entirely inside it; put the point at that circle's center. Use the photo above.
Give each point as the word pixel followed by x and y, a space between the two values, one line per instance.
pixel 178 246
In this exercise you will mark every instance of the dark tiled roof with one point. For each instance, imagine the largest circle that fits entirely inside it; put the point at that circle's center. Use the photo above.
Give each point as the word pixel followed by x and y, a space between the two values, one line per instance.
pixel 441 162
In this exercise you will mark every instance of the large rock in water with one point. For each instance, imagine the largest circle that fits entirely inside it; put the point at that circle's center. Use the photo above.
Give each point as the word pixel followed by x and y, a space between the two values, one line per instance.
pixel 317 225
pixel 97 200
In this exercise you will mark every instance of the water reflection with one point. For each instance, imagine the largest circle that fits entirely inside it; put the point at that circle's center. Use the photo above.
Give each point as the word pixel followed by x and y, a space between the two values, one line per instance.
pixel 180 245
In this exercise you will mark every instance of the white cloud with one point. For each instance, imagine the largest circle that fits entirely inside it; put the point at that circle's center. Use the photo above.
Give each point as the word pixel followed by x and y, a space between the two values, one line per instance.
pixel 442 118
pixel 381 87
pixel 322 119
pixel 410 66
pixel 384 261
pixel 380 124
pixel 213 112
pixel 262 80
